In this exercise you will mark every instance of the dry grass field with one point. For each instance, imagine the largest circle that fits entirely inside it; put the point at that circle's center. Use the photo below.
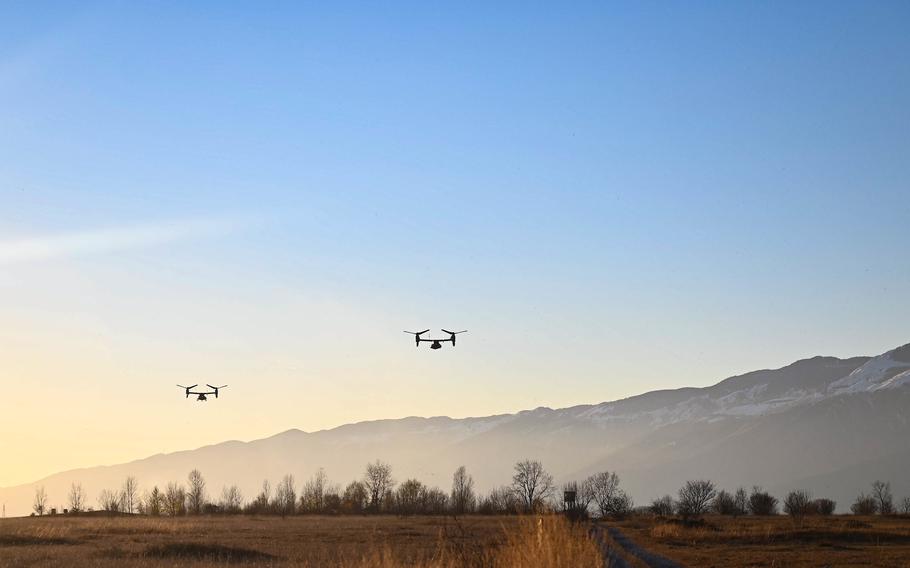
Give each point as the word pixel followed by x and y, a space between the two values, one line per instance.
pixel 437 542
pixel 434 542
pixel 838 541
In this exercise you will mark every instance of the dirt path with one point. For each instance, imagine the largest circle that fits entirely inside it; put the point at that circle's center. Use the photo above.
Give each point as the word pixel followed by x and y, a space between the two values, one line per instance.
pixel 611 558
pixel 614 560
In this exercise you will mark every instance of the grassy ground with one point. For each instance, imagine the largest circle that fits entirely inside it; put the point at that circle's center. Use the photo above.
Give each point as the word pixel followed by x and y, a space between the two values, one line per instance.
pixel 343 542
pixel 839 541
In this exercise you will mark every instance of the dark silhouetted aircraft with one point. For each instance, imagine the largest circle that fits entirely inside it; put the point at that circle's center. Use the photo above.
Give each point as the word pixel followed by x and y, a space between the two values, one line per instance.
pixel 201 395
pixel 434 343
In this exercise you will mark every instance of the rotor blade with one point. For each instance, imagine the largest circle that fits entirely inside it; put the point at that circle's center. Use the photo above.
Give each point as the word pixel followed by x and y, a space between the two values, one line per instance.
pixel 454 332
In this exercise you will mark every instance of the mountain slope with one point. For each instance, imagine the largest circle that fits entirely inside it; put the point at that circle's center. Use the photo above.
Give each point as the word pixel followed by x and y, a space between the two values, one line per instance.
pixel 817 419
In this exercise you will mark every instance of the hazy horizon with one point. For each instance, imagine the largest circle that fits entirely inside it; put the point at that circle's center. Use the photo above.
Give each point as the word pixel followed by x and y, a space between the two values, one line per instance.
pixel 806 426
pixel 373 419
pixel 612 199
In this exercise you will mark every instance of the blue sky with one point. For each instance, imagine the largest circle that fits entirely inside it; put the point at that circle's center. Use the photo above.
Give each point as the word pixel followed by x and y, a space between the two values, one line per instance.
pixel 612 197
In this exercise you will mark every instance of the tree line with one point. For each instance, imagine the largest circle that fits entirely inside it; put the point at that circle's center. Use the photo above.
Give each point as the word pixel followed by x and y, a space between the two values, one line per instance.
pixel 376 492
pixel 699 497
pixel 532 489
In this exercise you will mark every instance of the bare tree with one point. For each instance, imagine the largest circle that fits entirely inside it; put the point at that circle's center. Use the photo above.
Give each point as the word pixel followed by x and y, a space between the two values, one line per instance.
pixel 39 504
pixel 586 493
pixel 434 501
pixel 312 496
pixel 607 496
pixel 286 496
pixel 905 506
pixel 110 501
pixel 76 498
pixel 153 502
pixel 504 500
pixel 231 499
pixel 463 498
pixel 532 484
pixel 174 500
pixel 130 494
pixel 409 497
pixel 195 495
pixel 261 503
pixel 724 503
pixel 881 492
pixel 355 498
pixel 378 481
pixel 740 502
pixel 332 502
pixel 695 498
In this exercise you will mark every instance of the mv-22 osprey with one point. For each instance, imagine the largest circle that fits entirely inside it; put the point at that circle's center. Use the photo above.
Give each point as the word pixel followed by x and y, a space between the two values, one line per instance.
pixel 434 343
pixel 201 396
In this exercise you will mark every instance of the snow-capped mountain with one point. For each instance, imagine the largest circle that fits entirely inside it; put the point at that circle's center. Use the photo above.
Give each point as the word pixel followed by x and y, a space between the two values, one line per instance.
pixel 888 371
pixel 828 425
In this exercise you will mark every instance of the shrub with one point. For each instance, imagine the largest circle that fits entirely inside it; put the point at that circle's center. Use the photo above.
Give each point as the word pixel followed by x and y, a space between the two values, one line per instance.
pixel 864 505
pixel 762 503
pixel 824 507
pixel 797 504
pixel 662 506
pixel 725 503
pixel 622 504
pixel 501 501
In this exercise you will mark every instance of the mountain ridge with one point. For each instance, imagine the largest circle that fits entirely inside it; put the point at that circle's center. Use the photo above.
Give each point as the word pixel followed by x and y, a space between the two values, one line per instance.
pixel 654 439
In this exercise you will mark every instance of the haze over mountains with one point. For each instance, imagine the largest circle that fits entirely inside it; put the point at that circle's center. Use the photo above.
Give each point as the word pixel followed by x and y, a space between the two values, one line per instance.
pixel 828 425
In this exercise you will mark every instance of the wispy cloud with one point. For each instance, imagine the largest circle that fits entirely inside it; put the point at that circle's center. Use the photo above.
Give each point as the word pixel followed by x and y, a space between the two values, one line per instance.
pixel 112 239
